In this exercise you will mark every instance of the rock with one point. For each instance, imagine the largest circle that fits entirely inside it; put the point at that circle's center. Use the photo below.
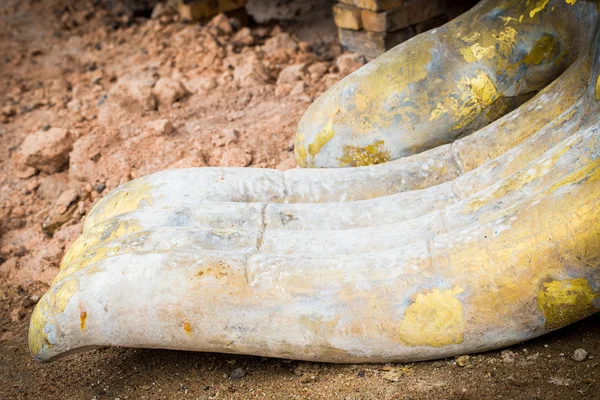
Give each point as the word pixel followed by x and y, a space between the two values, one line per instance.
pixel 291 74
pixel 7 336
pixel 507 356
pixel 17 314
pixel 298 89
pixel 307 378
pixel 129 96
pixel 167 91
pixel 282 41
pixel 235 157
pixel 393 375
pixel 160 127
pixel 25 172
pixel 221 23
pixel 243 37
pixel 161 9
pixel 251 72
pixel 350 62
pixel 17 212
pixel 192 161
pixel 559 381
pixel 61 213
pixel 99 186
pixel 52 186
pixel 47 151
pixel 66 199
pixel 317 70
pixel 238 373
pixel 201 84
pixel 283 90
pixel 580 355
pixel 225 137
pixel 463 361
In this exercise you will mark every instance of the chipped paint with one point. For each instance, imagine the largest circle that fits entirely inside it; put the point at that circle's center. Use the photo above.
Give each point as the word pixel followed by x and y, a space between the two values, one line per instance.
pixel 567 301
pixel 435 319
pixel 540 6
pixel 321 140
pixel 414 259
pixel 356 156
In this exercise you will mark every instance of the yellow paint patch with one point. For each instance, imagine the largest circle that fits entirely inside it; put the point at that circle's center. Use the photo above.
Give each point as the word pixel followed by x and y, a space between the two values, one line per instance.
pixel 571 2
pixel 540 5
pixel 589 172
pixel 597 96
pixel 300 150
pixel 565 302
pixel 477 52
pixel 37 336
pixel 471 37
pixel 507 20
pixel 543 51
pixel 435 319
pixel 100 233
pixel 76 248
pixel 438 112
pixel 357 156
pixel 93 256
pixel 476 94
pixel 324 136
pixel 129 197
pixel 483 89
pixel 507 39
pixel 54 302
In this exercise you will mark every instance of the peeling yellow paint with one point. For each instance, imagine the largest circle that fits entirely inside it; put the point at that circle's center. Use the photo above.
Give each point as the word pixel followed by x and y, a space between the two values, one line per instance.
pixel 438 112
pixel 37 336
pixel 129 197
pixel 597 95
pixel 541 4
pixel 103 232
pixel 54 302
pixel 483 89
pixel 471 37
pixel 300 150
pixel 567 301
pixel 435 319
pixel 543 51
pixel 477 93
pixel 477 52
pixel 321 139
pixel 507 39
pixel 356 156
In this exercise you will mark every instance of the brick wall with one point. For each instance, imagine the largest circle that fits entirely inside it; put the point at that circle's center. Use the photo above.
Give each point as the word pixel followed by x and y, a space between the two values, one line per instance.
pixel 371 27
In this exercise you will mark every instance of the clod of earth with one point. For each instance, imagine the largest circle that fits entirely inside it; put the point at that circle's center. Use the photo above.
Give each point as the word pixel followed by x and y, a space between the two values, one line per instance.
pixel 484 235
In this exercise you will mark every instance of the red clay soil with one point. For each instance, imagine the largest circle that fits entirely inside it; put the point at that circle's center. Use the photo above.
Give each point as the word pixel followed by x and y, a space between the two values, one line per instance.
pixel 91 99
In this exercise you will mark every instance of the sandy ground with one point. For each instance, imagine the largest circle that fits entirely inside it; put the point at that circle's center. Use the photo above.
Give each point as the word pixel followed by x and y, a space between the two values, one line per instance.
pixel 117 97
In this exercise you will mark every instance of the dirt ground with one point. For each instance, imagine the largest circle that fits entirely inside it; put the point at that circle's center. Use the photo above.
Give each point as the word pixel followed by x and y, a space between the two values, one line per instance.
pixel 115 97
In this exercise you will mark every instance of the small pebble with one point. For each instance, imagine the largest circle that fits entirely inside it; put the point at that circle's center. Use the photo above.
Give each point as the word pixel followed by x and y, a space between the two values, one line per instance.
pixel 580 355
pixel 463 361
pixel 238 373
pixel 508 356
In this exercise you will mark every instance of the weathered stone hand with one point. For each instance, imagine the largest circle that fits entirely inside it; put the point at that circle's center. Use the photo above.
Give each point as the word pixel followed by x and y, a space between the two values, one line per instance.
pixel 473 245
